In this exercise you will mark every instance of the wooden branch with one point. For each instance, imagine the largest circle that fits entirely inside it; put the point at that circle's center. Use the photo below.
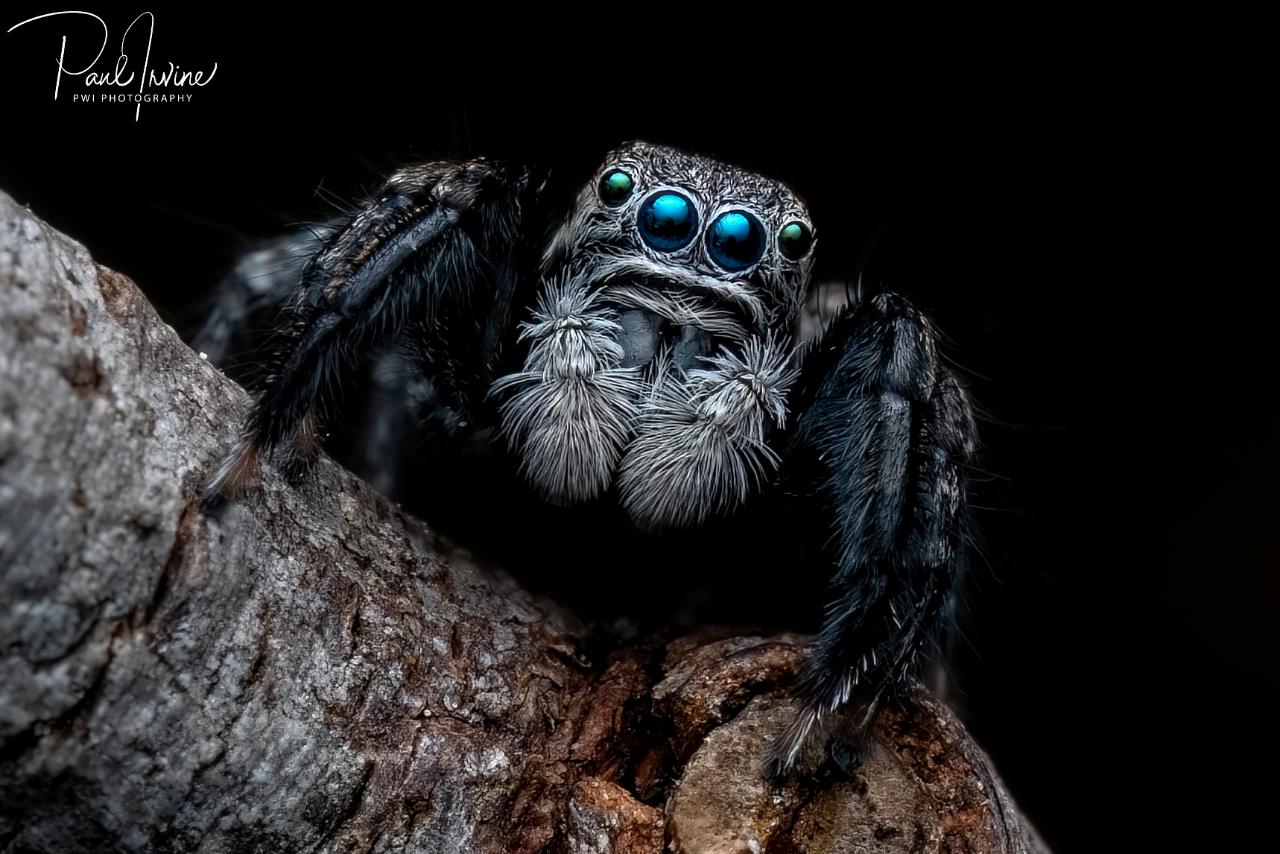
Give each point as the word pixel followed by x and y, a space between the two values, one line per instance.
pixel 314 670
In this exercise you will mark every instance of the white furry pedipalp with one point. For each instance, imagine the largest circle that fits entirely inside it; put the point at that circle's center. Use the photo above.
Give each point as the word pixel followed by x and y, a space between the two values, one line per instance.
pixel 684 445
pixel 700 447
pixel 573 406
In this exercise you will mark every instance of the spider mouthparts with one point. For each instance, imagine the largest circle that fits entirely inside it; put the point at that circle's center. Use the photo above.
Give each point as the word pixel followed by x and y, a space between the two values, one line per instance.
pixel 645 334
pixel 642 333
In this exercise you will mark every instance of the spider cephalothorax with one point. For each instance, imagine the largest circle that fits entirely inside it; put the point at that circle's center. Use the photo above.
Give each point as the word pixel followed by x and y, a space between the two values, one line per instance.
pixel 660 347
pixel 644 354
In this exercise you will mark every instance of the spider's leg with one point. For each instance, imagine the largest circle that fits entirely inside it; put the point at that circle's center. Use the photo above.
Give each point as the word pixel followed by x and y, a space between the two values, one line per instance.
pixel 877 462
pixel 401 400
pixel 251 295
pixel 436 246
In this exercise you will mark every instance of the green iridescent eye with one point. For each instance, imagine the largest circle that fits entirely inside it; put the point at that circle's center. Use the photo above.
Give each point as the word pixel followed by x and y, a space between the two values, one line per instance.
pixel 794 240
pixel 616 187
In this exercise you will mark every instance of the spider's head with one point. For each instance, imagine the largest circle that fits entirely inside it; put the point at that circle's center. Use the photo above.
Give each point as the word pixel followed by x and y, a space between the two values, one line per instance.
pixel 692 252
pixel 660 348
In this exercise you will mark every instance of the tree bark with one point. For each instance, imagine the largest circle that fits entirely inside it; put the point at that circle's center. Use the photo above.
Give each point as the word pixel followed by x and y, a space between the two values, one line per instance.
pixel 313 670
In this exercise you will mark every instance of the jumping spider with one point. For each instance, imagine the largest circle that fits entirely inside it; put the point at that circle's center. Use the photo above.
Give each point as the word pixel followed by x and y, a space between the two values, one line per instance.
pixel 645 356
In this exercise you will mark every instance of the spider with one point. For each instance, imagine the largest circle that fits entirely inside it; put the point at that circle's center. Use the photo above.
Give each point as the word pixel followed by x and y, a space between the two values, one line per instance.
pixel 644 357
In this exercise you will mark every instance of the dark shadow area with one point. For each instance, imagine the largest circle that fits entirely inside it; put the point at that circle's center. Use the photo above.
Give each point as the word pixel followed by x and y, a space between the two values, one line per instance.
pixel 1098 248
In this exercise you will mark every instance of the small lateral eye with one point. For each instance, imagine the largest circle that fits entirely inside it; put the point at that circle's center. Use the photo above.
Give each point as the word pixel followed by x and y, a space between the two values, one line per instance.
pixel 616 187
pixel 794 240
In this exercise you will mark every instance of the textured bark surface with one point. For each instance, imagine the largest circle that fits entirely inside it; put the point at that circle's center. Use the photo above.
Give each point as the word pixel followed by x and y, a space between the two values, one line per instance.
pixel 313 670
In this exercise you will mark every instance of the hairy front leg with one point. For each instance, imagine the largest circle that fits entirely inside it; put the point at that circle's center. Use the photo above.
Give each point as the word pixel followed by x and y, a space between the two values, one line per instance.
pixel 435 248
pixel 878 459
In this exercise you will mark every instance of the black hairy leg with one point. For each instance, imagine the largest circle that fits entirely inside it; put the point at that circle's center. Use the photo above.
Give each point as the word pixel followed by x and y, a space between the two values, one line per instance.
pixel 248 300
pixel 877 466
pixel 431 259
pixel 398 397
pixel 395 398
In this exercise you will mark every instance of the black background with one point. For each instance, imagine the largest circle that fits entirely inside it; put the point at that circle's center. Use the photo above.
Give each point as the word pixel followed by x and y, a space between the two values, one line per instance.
pixel 1092 224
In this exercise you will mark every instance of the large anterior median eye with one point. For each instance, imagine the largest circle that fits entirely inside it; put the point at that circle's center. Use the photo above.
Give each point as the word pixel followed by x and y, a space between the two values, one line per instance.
pixel 735 240
pixel 667 221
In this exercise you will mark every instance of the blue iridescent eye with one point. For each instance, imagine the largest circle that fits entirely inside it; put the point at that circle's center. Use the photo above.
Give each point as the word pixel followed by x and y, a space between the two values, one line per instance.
pixel 667 221
pixel 735 240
